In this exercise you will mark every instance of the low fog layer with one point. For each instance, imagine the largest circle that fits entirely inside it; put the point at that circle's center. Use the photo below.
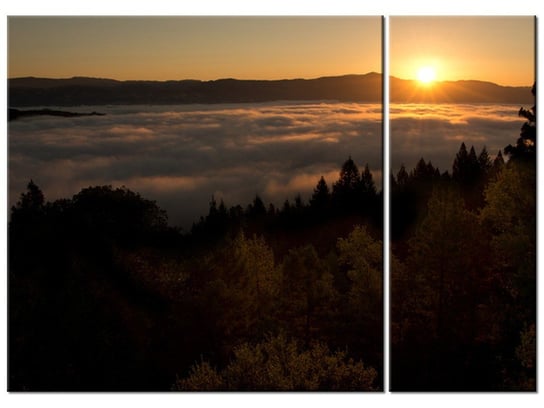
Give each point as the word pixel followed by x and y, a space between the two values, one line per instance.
pixel 182 155
pixel 435 132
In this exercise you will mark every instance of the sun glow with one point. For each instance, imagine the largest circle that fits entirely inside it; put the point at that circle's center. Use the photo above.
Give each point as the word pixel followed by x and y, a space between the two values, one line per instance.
pixel 426 75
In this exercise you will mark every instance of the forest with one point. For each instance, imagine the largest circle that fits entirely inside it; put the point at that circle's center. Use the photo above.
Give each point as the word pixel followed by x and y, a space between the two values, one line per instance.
pixel 104 295
pixel 463 271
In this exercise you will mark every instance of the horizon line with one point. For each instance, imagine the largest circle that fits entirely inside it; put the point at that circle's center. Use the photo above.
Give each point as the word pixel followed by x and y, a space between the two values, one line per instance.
pixel 199 80
pixel 226 78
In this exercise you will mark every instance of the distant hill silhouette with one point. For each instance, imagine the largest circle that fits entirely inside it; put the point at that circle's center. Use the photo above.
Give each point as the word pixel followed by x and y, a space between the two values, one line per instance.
pixel 32 91
pixel 406 91
pixel 16 113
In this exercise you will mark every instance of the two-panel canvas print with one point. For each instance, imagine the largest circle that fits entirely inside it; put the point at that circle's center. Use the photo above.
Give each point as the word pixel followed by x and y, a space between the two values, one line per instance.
pixel 201 204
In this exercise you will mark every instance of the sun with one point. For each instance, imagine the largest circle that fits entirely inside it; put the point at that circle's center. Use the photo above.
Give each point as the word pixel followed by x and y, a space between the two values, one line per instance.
pixel 426 74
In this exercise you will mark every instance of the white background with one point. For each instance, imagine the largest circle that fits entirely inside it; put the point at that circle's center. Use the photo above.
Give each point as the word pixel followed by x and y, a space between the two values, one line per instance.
pixel 253 7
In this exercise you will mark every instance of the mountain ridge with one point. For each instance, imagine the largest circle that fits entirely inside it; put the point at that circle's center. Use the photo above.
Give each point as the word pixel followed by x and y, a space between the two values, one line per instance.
pixel 367 88
pixel 31 91
pixel 458 91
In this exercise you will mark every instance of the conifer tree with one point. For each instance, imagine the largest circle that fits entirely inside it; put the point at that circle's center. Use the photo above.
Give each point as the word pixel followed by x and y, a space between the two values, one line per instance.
pixel 349 178
pixel 402 176
pixel 484 161
pixel 257 208
pixel 271 210
pixel 393 185
pixel 33 199
pixel 321 195
pixel 525 147
pixel 420 171
pixel 368 188
pixel 499 160
pixel 474 166
pixel 346 191
pixel 498 165
pixel 213 208
pixel 460 164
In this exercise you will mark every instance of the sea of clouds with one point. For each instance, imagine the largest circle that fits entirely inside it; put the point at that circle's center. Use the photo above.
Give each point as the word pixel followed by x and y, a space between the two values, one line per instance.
pixel 182 155
pixel 435 132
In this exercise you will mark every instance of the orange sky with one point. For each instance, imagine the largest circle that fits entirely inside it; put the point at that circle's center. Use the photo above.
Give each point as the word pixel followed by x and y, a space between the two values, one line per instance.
pixel 495 49
pixel 162 48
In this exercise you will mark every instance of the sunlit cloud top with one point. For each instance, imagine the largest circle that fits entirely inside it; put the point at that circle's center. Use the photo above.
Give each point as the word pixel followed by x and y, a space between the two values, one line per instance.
pixel 181 155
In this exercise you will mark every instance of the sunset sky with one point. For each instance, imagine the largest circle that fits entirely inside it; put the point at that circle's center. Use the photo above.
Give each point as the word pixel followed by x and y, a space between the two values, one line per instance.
pixel 162 48
pixel 495 49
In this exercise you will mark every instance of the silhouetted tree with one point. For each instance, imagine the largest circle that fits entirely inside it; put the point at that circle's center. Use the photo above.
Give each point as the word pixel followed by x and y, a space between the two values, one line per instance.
pixel 215 224
pixel 321 196
pixel 460 164
pixel 349 177
pixel 393 185
pixel 271 210
pixel 346 191
pixel 420 172
pixel 236 212
pixel 299 204
pixel 402 176
pixel 473 164
pixel 286 208
pixel 445 177
pixel 498 163
pixel 525 148
pixel 33 199
pixel 257 208
pixel 368 188
pixel 470 172
pixel 222 208
pixel 117 213
pixel 484 161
